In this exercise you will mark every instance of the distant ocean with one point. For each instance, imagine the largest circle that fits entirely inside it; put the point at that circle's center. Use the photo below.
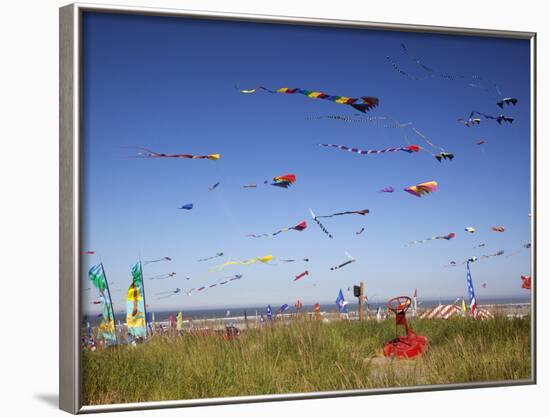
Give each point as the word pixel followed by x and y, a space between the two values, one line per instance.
pixel 251 311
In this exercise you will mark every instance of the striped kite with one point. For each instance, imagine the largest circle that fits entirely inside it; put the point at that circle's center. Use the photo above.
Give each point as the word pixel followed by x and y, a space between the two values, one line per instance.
pixel 361 212
pixel 350 260
pixel 299 227
pixel 407 149
pixel 147 153
pixel 443 237
pixel 316 220
pixel 363 104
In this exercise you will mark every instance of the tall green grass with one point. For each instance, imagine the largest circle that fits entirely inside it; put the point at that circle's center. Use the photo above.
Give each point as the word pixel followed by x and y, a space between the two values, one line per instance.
pixel 304 357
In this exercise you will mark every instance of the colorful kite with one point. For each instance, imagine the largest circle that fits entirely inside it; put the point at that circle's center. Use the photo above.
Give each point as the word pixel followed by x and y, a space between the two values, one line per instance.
pixel 421 189
pixel 499 229
pixel 470 229
pixel 325 231
pixel 262 259
pixel 350 260
pixel 303 274
pixel 147 153
pixel 388 122
pixel 284 181
pixel 186 207
pixel 166 258
pixel 387 190
pixel 343 213
pixel 526 282
pixel 443 237
pixel 299 227
pixel 407 149
pixel 217 255
pixel 470 121
pixel 362 104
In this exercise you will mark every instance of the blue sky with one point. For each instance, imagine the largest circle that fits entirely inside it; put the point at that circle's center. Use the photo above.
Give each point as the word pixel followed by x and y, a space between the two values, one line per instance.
pixel 168 84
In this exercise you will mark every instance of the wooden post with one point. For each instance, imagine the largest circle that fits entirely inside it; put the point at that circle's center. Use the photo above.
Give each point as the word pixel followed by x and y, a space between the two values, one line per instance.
pixel 362 287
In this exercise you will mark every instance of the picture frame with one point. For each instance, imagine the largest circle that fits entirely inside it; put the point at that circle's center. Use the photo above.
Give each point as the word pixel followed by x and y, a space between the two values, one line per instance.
pixel 73 221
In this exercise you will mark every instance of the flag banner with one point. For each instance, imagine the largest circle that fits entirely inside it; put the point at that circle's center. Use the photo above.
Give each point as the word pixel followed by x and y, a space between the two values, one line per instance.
pixel 179 322
pixel 268 312
pixel 341 303
pixel 471 293
pixel 135 305
pixel 106 329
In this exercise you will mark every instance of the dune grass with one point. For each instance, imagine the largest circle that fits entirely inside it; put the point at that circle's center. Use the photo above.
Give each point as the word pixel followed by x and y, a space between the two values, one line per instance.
pixel 306 356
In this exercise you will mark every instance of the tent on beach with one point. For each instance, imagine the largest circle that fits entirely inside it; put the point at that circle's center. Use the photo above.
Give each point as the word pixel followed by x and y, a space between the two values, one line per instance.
pixel 447 311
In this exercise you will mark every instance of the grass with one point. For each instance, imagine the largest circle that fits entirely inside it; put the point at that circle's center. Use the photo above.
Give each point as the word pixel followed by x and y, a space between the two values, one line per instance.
pixel 304 357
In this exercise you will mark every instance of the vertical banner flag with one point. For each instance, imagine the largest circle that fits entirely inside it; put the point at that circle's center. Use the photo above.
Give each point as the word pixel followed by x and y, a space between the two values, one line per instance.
pixel 179 322
pixel 268 312
pixel 473 305
pixel 106 330
pixel 135 304
pixel 341 303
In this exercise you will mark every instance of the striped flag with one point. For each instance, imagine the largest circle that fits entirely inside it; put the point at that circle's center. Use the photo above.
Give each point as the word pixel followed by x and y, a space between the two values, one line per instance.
pixel 473 304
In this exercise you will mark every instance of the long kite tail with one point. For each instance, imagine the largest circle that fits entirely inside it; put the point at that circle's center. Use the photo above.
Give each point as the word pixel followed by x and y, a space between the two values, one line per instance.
pixel 407 149
pixel 361 212
pixel 323 228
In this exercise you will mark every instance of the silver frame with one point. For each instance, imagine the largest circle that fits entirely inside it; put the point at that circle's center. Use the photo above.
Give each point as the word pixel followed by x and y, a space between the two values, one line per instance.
pixel 70 176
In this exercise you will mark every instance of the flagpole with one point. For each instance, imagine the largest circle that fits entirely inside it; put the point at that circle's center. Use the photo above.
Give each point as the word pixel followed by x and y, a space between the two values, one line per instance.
pixel 143 295
pixel 110 298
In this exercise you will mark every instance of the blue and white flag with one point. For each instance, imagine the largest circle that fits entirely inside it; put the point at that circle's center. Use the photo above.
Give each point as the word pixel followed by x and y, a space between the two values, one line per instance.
pixel 471 293
pixel 341 303
pixel 268 312
pixel 283 308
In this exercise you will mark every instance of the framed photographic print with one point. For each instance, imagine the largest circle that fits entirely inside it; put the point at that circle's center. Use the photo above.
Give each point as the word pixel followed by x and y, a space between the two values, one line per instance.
pixel 258 208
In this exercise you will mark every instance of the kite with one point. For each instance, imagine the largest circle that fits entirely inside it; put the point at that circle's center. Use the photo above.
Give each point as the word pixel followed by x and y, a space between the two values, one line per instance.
pixel 166 294
pixel 163 276
pixel 407 149
pixel 303 274
pixel 362 104
pixel 360 231
pixel 166 258
pixel 262 259
pixel 389 122
pixel 299 227
pixel 249 186
pixel 481 142
pixel 484 285
pixel 360 212
pixel 481 245
pixel 186 207
pixel 147 153
pixel 96 302
pixel 225 281
pixel 470 229
pixel 499 229
pixel 499 253
pixel 423 188
pixel 217 255
pixel 452 263
pixel 387 190
pixel 443 237
pixel 471 120
pixel 284 181
pixel 527 246
pixel 293 260
pixel 474 81
pixel 325 231
pixel 350 260
pixel 89 252
pixel 526 282
pixel 282 309
pixel 213 187
pixel 507 101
